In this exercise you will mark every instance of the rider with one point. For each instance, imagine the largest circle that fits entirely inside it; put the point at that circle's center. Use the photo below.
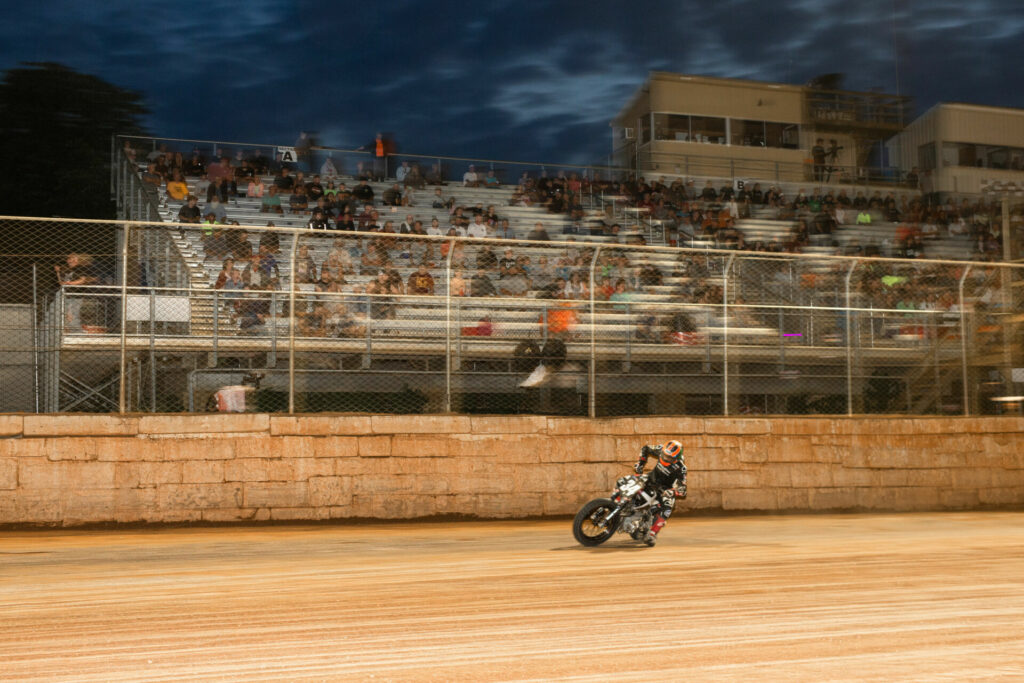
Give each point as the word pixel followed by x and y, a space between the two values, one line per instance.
pixel 666 479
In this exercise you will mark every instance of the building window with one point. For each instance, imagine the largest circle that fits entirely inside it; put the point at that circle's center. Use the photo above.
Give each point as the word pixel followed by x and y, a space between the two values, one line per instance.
pixel 982 156
pixel 707 129
pixel 671 127
pixel 747 133
pixel 785 135
pixel 683 128
pixel 713 130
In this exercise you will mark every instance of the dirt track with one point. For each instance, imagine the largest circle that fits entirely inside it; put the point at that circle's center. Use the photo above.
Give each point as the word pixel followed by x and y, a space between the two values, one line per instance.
pixel 915 596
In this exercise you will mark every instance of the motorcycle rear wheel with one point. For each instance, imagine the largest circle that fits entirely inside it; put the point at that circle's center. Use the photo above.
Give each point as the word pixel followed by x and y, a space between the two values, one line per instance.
pixel 585 528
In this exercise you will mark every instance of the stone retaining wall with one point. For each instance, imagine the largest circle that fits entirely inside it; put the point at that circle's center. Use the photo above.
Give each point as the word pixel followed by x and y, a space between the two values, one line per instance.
pixel 78 469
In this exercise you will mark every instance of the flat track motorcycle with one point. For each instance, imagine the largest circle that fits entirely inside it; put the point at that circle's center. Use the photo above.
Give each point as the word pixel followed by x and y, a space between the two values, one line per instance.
pixel 630 510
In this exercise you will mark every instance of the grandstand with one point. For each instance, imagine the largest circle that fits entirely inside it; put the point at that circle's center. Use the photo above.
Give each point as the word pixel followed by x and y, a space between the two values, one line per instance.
pixel 699 326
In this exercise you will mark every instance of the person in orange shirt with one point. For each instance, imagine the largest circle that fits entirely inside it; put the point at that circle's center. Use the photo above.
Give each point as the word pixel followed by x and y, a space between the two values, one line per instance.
pixel 380 149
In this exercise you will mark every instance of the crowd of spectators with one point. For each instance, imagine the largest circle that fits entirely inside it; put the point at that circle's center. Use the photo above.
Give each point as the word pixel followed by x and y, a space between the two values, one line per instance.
pixel 714 214
pixel 360 269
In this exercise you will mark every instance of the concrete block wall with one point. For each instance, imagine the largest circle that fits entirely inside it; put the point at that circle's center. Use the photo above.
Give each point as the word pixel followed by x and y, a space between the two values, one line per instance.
pixel 70 470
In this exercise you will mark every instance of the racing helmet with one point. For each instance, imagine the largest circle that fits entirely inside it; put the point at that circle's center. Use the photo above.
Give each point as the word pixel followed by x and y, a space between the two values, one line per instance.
pixel 671 453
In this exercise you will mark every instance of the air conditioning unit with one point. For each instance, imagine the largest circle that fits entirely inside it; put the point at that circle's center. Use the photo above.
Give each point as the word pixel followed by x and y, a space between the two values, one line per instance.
pixel 629 133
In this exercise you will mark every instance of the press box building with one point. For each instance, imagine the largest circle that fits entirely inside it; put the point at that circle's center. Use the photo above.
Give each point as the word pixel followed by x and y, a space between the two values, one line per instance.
pixel 728 128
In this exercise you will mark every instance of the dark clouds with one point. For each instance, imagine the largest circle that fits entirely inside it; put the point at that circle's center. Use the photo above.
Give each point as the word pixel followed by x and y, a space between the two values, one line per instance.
pixel 515 80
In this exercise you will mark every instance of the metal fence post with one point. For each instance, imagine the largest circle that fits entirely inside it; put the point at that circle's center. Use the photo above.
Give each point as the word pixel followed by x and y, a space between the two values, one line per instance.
pixel 592 381
pixel 963 341
pixel 448 327
pixel 291 325
pixel 725 334
pixel 849 342
pixel 124 317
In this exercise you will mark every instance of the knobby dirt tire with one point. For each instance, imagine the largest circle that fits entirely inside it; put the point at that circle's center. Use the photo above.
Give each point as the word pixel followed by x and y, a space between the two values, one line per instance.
pixel 579 527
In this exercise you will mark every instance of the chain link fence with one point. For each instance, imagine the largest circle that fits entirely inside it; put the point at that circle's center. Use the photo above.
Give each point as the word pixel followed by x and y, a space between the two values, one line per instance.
pixel 168 317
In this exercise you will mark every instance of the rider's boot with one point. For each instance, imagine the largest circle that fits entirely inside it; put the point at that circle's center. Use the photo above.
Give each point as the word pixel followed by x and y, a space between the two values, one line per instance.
pixel 652 535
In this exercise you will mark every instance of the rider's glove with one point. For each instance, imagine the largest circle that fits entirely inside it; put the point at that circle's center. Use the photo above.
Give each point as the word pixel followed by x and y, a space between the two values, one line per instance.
pixel 681 490
pixel 639 467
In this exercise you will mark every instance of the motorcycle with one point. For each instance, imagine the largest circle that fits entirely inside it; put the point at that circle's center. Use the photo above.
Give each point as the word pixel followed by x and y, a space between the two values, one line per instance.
pixel 630 510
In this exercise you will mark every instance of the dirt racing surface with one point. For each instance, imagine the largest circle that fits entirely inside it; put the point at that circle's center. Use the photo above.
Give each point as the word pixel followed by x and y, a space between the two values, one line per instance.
pixel 845 597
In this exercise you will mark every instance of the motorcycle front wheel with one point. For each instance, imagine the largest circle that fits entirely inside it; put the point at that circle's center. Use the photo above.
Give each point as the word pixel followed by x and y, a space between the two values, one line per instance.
pixel 587 526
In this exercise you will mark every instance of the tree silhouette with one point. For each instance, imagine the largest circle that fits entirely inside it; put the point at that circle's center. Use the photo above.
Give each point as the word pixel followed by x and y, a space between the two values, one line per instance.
pixel 55 129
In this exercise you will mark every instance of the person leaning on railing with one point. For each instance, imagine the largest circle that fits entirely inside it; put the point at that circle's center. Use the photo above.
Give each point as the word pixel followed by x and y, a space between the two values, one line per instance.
pixel 77 271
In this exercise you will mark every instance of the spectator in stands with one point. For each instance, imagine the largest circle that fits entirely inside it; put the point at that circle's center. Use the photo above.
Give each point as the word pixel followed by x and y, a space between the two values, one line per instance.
pixel 228 178
pixel 442 202
pixel 486 259
pixel 381 148
pixel 262 270
pixel 392 196
pixel 515 283
pixel 491 180
pixel 215 207
pixel 328 169
pixel 217 188
pixel 305 266
pixel 227 274
pixel 402 172
pixel 77 271
pixel 470 178
pixel 709 194
pixel 195 166
pixel 271 202
pixel 538 233
pixel 481 285
pixel 435 227
pixel 244 174
pixel 176 187
pixel 373 260
pixel 457 285
pixel 435 176
pixel 318 221
pixel 256 188
pixel 298 202
pixel 334 268
pixel 363 192
pixel 504 230
pixel 477 228
pixel 190 212
pixel 621 295
pixel 324 207
pixel 202 186
pixel 151 179
pixel 506 263
pixel 323 284
pixel 421 282
pixel 314 189
pixel 346 222
pixel 415 178
pixel 459 221
pixel 284 182
pixel 381 305
pixel 408 197
pixel 254 309
pixel 368 220
pixel 575 288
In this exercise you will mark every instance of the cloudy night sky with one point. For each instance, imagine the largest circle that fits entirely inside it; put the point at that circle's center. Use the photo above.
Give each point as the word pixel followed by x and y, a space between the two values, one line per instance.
pixel 526 80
